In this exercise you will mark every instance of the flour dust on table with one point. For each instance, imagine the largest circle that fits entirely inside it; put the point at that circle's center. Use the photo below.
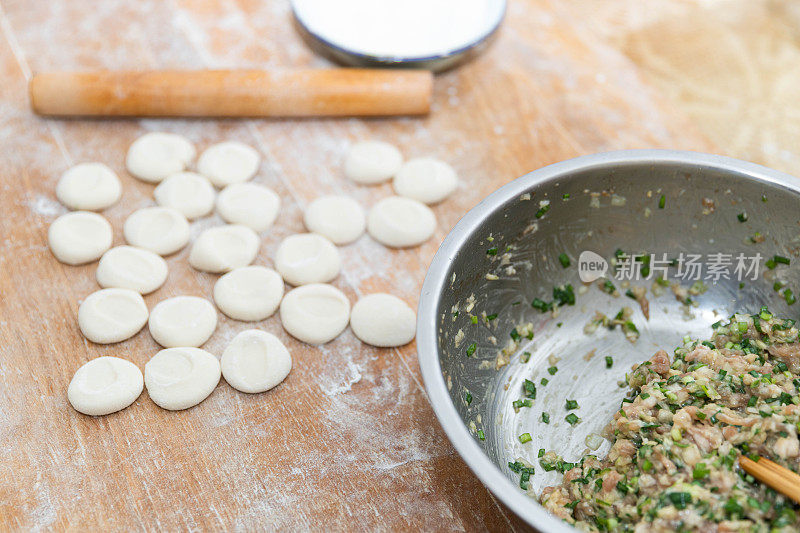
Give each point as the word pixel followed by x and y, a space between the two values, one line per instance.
pixel 189 193
pixel 156 156
pixel 112 315
pixel 180 378
pixel 224 248
pixel 105 385
pixel 162 230
pixel 182 321
pixel 89 187
pixel 128 267
pixel 255 361
pixel 79 237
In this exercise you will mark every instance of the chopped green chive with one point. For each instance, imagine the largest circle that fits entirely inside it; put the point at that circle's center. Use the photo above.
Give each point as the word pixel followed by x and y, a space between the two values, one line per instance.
pixel 700 471
pixel 647 465
pixel 552 370
pixel 781 259
pixel 770 264
pixel 546 418
pixel 468 398
pixel 545 381
pixel 777 286
pixel 516 404
pixel 530 389
pixel 572 419
pixel 565 196
pixel 491 317
pixel 525 437
pixel 764 198
pixel 525 357
pixel 471 349
pixel 541 305
pixel 481 435
pixel 564 294
pixel 608 287
pixel 742 216
pixel 788 295
pixel 542 210
pixel 474 319
pixel 662 202
pixel 572 404
pixel 515 335
pixel 564 260
pixel 491 251
pixel 609 361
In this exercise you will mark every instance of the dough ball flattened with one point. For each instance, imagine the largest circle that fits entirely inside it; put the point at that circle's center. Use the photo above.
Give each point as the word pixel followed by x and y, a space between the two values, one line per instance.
pixel 401 222
pixel 128 267
pixel 155 156
pixel 426 180
pixel 383 320
pixel 89 187
pixel 112 315
pixel 248 204
pixel 162 230
pixel 224 248
pixel 339 218
pixel 315 313
pixel 249 293
pixel 105 385
pixel 79 237
pixel 180 378
pixel 370 162
pixel 190 194
pixel 255 361
pixel 307 258
pixel 182 321
pixel 228 162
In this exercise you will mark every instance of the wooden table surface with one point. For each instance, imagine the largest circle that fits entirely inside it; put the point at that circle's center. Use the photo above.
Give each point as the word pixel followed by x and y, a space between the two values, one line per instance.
pixel 349 439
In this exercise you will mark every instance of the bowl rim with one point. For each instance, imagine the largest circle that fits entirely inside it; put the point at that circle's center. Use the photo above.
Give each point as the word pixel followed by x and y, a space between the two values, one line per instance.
pixel 436 282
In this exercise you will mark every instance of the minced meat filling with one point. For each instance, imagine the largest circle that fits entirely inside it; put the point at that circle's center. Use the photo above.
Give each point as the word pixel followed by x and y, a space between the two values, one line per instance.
pixel 680 430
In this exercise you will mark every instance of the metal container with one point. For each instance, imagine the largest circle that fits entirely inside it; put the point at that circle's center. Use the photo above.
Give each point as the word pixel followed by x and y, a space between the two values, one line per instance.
pixel 505 252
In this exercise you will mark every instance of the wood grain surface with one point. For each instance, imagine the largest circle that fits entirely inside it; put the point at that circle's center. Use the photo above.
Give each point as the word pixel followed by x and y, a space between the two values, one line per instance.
pixel 349 440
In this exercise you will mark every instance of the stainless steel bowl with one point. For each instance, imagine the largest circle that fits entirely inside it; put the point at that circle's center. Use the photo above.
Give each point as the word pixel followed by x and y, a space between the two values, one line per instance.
pixel 613 204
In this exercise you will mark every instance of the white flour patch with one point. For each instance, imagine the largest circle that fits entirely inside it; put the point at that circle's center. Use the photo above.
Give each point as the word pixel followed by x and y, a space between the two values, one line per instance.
pixel 45 207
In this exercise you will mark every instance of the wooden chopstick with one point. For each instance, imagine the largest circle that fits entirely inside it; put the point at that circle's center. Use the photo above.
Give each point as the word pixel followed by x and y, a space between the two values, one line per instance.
pixel 773 475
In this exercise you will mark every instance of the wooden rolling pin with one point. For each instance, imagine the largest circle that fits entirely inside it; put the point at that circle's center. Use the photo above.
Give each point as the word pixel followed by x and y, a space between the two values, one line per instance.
pixel 233 93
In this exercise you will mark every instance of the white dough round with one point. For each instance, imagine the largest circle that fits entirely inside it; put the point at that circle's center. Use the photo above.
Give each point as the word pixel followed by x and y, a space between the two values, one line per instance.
pixel 426 180
pixel 155 156
pixel 112 315
pixel 255 361
pixel 182 321
pixel 105 385
pixel 180 378
pixel 339 218
pixel 162 230
pixel 89 187
pixel 228 162
pixel 383 320
pixel 190 194
pixel 370 162
pixel 79 237
pixel 315 313
pixel 307 258
pixel 248 204
pixel 224 248
pixel 401 222
pixel 249 293
pixel 128 267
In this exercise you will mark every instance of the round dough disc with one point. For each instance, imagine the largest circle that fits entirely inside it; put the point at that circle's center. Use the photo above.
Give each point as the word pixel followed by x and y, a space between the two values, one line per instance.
pixel 401 222
pixel 112 315
pixel 255 361
pixel 89 187
pixel 315 313
pixel 370 162
pixel 307 258
pixel 105 385
pixel 339 218
pixel 180 378
pixel 383 320
pixel 190 194
pixel 248 204
pixel 426 180
pixel 128 267
pixel 182 321
pixel 249 293
pixel 79 237
pixel 155 156
pixel 228 162
pixel 162 230
pixel 224 248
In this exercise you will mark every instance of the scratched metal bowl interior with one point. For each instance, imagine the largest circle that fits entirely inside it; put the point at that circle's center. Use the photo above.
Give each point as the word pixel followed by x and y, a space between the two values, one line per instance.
pixel 511 256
